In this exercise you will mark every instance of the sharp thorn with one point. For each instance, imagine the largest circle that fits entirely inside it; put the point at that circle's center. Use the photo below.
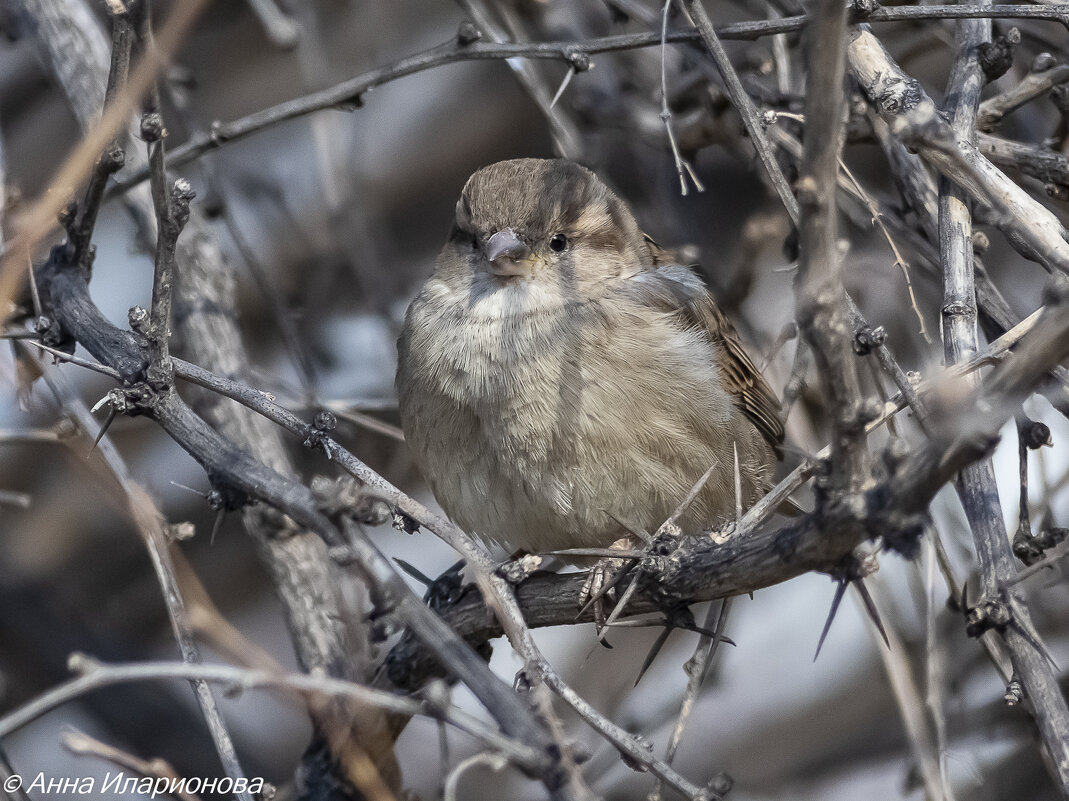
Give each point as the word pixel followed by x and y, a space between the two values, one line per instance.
pixel 687 501
pixel 870 607
pixel 216 525
pixel 624 601
pixel 103 430
pixel 655 649
pixel 840 591
pixel 563 85
pixel 630 527
pixel 414 572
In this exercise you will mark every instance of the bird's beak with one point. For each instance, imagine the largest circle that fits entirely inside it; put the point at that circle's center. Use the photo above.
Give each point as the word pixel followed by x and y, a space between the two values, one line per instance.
pixel 508 255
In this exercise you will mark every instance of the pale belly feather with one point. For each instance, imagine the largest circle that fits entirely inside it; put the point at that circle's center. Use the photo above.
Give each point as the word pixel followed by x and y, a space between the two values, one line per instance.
pixel 531 428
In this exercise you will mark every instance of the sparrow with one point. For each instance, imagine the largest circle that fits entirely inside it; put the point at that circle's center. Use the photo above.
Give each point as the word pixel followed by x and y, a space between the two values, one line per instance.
pixel 561 380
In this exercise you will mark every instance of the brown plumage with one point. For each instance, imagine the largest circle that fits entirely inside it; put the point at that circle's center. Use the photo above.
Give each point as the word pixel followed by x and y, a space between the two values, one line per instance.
pixel 557 371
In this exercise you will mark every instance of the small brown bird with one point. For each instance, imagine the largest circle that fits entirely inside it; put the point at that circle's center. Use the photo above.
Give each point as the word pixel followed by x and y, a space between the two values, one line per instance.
pixel 558 374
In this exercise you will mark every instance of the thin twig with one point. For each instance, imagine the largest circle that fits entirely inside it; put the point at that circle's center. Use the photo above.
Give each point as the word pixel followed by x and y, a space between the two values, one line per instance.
pixel 81 744
pixel 911 707
pixel 744 105
pixel 152 528
pixel 1033 85
pixel 112 159
pixel 683 168
pixel 94 675
pixel 343 94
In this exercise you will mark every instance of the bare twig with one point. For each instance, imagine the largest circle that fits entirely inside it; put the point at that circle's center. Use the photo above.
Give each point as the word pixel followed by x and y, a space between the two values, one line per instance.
pixel 81 744
pixel 94 675
pixel 1044 164
pixel 343 94
pixel 696 668
pixel 977 488
pixel 744 105
pixel 152 528
pixel 900 100
pixel 112 159
pixel 911 709
pixel 821 300
pixel 683 167
pixel 566 136
pixel 1033 85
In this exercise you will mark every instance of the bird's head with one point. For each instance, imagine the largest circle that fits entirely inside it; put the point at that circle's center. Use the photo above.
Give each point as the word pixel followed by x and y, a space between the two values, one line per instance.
pixel 542 220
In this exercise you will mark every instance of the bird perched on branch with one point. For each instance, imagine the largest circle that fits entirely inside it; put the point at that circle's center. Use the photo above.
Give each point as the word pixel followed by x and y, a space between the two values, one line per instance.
pixel 559 377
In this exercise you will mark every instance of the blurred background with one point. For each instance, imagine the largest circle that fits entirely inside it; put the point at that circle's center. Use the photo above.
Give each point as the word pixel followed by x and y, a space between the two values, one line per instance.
pixel 329 224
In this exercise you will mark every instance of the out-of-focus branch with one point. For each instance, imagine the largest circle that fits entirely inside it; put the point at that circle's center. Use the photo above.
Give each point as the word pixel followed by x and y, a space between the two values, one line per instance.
pixel 744 105
pixel 81 744
pixel 351 91
pixel 1044 164
pixel 151 525
pixel 327 635
pixel 94 675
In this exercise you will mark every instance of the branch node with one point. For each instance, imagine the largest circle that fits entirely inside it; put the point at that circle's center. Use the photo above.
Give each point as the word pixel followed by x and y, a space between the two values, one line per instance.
pixel 152 129
pixel 1059 96
pixel 181 195
pixel 1036 434
pixel 468 33
pixel 867 339
pixel 579 61
pixel 516 571
pixel 1014 692
pixel 996 57
pixel 325 421
pixel 82 664
pixel 1043 62
pixel 346 496
pixel 139 319
pixel 720 785
pixel 225 497
pixel 986 616
pixel 1032 549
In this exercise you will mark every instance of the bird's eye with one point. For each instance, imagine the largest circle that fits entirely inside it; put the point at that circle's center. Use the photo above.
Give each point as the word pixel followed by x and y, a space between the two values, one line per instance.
pixel 559 243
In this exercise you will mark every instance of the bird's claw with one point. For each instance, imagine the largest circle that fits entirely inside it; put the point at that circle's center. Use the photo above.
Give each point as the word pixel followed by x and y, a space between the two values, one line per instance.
pixel 602 579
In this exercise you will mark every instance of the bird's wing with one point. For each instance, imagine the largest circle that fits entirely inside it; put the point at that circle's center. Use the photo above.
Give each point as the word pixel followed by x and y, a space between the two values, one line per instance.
pixel 674 288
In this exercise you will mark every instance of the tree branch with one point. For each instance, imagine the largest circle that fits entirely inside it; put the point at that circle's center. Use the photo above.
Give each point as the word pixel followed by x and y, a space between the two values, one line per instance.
pixel 976 485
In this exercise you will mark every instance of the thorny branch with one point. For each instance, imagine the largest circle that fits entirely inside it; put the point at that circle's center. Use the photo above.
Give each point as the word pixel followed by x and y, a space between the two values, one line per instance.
pixel 760 553
pixel 821 300
pixel 976 485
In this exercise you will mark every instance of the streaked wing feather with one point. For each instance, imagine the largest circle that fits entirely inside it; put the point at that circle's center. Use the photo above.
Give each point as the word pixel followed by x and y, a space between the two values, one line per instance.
pixel 675 288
